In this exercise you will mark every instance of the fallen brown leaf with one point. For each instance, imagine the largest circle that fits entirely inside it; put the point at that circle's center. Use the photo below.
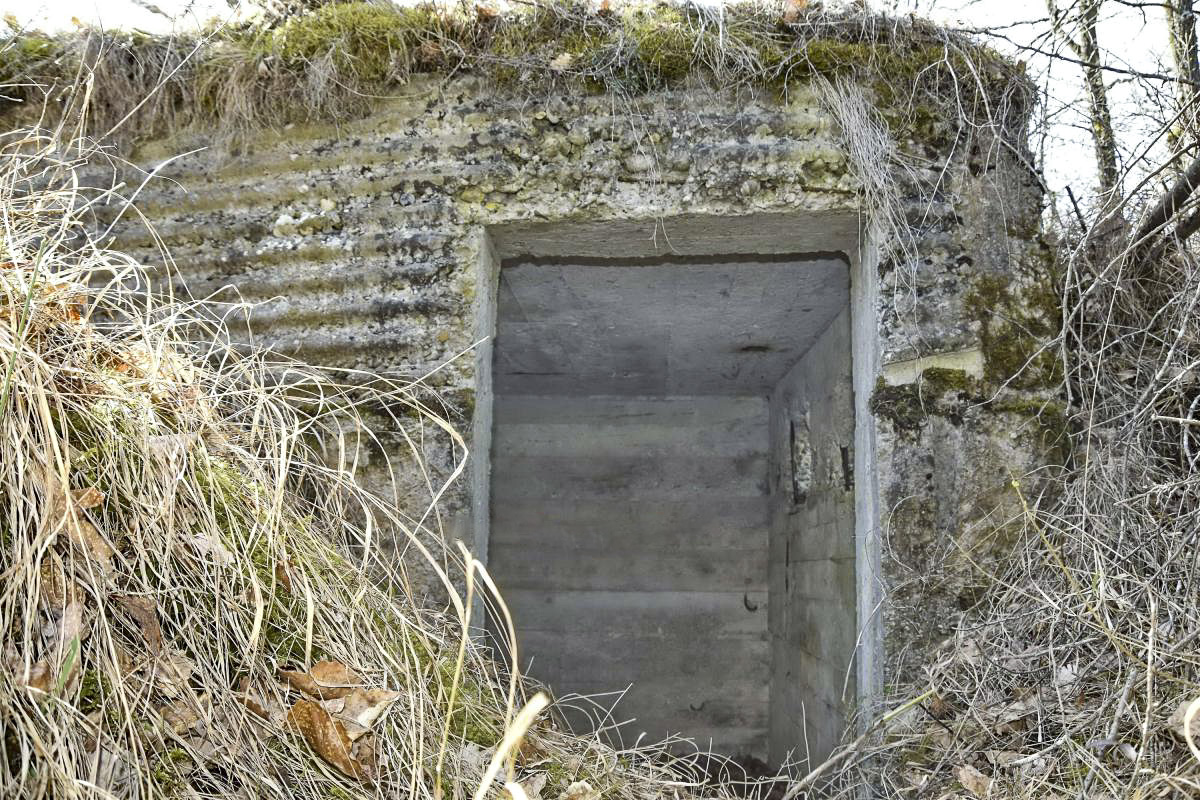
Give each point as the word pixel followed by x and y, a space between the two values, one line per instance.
pixel 361 709
pixel 55 590
pixel 109 768
pixel 182 716
pixel 172 673
pixel 939 708
pixel 86 538
pixel 66 514
pixel 326 736
pixel 171 450
pixel 209 545
pixel 71 626
pixel 1177 723
pixel 68 634
pixel 474 756
pixel 365 752
pixel 87 498
pixel 39 677
pixel 973 780
pixel 283 575
pixel 534 784
pixel 327 680
pixel 579 790
pixel 144 612
pixel 792 10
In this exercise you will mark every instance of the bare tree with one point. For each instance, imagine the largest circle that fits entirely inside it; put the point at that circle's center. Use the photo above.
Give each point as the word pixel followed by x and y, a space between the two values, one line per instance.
pixel 1181 22
pixel 1086 46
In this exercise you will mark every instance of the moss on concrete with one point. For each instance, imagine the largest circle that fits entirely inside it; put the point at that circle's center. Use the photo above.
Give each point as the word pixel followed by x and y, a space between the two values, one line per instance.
pixel 1051 420
pixel 31 51
pixel 328 61
pixel 906 406
pixel 1018 319
pixel 948 393
pixel 371 42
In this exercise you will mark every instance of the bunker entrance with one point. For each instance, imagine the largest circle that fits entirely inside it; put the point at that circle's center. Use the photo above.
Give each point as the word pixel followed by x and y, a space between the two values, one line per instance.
pixel 671 492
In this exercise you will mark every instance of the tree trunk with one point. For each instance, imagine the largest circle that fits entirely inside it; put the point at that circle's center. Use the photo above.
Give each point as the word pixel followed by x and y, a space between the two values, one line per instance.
pixel 1181 19
pixel 1101 120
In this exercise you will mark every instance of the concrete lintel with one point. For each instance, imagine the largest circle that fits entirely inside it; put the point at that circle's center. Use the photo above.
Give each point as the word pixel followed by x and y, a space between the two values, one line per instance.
pixel 696 235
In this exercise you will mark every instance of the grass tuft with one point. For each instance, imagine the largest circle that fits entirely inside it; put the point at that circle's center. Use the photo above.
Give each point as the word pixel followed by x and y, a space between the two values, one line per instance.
pixel 185 576
pixel 338 60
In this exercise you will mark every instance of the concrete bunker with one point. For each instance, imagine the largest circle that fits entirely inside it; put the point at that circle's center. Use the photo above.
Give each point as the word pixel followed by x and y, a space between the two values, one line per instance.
pixel 671 433
pixel 375 245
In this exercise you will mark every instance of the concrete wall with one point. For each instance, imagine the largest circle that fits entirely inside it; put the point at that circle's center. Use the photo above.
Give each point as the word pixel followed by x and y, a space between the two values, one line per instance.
pixel 812 543
pixel 368 245
pixel 629 537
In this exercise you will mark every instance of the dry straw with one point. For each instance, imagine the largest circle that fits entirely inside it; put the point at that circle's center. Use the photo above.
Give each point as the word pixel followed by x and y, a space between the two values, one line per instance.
pixel 192 602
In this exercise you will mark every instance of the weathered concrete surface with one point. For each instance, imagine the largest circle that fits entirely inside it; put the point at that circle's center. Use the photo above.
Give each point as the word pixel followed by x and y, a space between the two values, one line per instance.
pixel 630 483
pixel 362 242
pixel 812 581
pixel 629 539
pixel 676 327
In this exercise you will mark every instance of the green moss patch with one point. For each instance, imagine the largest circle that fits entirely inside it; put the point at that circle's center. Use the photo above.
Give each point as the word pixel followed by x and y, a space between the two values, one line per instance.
pixel 328 63
pixel 906 406
pixel 1018 320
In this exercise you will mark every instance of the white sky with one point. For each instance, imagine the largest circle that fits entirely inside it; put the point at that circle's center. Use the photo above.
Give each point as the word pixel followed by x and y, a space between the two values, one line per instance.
pixel 1135 39
pixel 58 14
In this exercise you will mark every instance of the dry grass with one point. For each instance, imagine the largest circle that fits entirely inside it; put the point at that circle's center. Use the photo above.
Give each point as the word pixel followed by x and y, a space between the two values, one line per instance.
pixel 180 609
pixel 339 60
pixel 1075 675
pixel 219 509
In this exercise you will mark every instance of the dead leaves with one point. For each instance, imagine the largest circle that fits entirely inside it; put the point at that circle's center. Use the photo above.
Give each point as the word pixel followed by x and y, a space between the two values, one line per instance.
pixel 206 544
pixel 144 612
pixel 361 709
pixel 55 588
pixel 87 498
pixel 84 536
pixel 262 704
pixel 337 715
pixel 164 372
pixel 65 634
pixel 973 780
pixel 534 784
pixel 66 514
pixel 580 790
pixel 1182 724
pixel 342 739
pixel 327 680
pixel 283 574
pixel 793 10
pixel 326 736
pixel 173 674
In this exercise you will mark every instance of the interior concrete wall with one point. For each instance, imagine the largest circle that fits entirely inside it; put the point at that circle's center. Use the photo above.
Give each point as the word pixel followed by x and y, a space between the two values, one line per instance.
pixel 629 537
pixel 812 549
pixel 637 526
pixel 674 326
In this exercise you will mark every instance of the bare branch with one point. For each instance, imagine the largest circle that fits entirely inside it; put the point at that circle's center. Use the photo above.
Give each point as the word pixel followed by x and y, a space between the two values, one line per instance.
pixel 1170 203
